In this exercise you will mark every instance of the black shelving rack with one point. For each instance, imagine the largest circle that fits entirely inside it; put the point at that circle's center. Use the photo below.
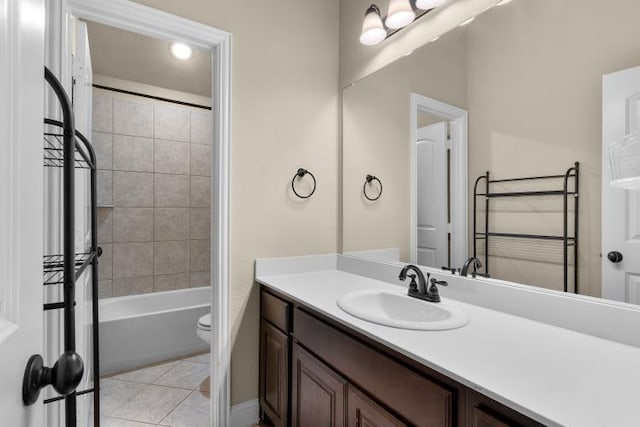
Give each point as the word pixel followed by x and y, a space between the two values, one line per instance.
pixel 569 240
pixel 66 148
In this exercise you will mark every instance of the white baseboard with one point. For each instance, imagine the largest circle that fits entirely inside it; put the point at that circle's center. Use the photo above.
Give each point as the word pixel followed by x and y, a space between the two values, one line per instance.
pixel 244 414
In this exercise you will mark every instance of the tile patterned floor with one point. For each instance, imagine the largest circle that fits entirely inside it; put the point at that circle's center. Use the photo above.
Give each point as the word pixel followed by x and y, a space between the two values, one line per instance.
pixel 169 394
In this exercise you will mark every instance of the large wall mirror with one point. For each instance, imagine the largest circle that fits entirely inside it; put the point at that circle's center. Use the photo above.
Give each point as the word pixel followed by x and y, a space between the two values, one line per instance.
pixel 489 142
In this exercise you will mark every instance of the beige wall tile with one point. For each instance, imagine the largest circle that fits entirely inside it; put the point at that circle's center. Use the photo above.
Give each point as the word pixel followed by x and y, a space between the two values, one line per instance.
pixel 171 224
pixel 131 153
pixel 200 255
pixel 132 225
pixel 200 223
pixel 200 191
pixel 202 127
pixel 105 225
pixel 200 160
pixel 105 262
pixel 105 187
pixel 171 190
pixel 103 145
pixel 132 260
pixel 171 157
pixel 171 123
pixel 105 289
pixel 132 286
pixel 132 189
pixel 102 113
pixel 200 278
pixel 171 257
pixel 170 282
pixel 132 118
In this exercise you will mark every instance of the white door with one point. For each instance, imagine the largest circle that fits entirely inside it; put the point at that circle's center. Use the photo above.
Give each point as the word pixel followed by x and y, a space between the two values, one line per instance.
pixel 21 206
pixel 432 226
pixel 620 208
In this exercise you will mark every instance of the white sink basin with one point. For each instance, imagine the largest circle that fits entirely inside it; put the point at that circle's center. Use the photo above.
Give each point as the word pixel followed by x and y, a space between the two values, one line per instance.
pixel 396 309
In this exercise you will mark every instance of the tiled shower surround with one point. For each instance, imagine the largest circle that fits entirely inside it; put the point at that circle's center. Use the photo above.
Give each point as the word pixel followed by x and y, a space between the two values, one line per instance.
pixel 154 193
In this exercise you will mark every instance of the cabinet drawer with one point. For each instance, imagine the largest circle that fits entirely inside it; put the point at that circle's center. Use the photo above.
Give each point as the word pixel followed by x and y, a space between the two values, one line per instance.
pixel 275 311
pixel 419 400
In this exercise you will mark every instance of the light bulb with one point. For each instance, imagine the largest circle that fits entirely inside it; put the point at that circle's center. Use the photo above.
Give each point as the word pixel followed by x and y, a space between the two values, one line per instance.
pixel 181 51
pixel 429 4
pixel 467 22
pixel 373 31
pixel 400 14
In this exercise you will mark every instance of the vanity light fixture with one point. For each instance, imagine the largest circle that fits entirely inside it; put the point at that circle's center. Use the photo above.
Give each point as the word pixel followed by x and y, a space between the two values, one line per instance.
pixel 181 51
pixel 373 31
pixel 400 14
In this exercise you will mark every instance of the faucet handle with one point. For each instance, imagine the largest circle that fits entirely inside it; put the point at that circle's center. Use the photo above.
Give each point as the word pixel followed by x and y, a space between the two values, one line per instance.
pixel 434 282
pixel 413 285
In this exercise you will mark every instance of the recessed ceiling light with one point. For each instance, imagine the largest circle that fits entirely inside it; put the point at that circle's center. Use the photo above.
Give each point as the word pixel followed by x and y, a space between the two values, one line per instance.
pixel 181 51
pixel 468 21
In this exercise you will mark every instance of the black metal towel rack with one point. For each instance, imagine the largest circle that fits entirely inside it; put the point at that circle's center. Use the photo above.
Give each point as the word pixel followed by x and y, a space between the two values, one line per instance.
pixel 66 148
pixel 568 241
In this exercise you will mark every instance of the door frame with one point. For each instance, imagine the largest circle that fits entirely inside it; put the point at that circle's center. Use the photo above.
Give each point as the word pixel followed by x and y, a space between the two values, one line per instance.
pixel 151 22
pixel 458 119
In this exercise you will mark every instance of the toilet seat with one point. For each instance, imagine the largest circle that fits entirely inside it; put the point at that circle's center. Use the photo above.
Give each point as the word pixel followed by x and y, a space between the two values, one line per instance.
pixel 204 328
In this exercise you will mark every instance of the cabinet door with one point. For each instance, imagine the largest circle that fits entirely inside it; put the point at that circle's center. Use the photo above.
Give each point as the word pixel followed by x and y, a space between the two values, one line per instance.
pixel 483 419
pixel 364 412
pixel 318 395
pixel 274 368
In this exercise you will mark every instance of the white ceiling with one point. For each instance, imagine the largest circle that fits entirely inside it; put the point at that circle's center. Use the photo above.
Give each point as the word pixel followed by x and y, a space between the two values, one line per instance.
pixel 130 56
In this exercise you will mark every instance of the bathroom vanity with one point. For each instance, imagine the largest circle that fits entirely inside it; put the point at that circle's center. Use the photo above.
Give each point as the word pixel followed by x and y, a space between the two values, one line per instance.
pixel 320 366
pixel 315 371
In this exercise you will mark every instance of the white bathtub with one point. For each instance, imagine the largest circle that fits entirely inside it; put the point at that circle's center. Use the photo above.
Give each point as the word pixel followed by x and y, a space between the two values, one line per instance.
pixel 142 329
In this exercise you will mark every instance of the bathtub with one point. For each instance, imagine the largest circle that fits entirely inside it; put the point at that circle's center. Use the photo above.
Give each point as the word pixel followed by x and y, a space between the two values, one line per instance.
pixel 142 329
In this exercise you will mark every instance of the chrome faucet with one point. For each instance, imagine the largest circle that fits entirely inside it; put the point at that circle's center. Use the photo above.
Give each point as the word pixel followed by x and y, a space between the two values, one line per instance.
pixel 423 289
pixel 471 261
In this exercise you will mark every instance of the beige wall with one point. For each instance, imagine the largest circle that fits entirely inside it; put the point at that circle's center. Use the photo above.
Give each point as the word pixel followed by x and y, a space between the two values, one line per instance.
pixel 358 61
pixel 285 102
pixel 534 99
pixel 377 141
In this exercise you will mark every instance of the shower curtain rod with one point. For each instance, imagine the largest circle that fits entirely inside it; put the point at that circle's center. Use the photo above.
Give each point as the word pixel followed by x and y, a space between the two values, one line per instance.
pixel 157 98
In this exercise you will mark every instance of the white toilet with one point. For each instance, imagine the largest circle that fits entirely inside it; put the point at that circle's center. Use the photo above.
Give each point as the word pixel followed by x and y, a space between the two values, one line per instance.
pixel 204 328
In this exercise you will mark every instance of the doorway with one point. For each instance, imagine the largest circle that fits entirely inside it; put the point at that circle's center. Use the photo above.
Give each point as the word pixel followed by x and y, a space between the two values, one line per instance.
pixel 153 23
pixel 438 151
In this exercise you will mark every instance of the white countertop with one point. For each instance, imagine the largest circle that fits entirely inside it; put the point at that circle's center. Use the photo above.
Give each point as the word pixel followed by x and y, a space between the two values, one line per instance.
pixel 556 376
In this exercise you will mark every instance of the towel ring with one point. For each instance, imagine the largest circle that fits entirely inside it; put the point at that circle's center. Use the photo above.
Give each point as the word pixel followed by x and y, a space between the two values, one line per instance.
pixel 368 180
pixel 301 173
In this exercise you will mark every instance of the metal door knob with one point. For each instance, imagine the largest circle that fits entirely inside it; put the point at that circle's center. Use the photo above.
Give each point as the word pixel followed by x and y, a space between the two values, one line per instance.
pixel 615 257
pixel 65 376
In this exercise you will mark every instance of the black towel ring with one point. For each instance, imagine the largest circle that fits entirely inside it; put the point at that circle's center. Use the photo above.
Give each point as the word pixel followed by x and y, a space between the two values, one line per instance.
pixel 368 180
pixel 301 173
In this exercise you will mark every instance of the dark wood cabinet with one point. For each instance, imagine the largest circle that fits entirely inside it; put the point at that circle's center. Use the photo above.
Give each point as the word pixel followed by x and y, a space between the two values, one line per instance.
pixel 274 373
pixel 364 412
pixel 315 372
pixel 481 418
pixel 318 393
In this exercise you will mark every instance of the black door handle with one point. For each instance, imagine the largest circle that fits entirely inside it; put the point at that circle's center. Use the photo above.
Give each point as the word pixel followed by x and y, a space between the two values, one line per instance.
pixel 65 376
pixel 615 257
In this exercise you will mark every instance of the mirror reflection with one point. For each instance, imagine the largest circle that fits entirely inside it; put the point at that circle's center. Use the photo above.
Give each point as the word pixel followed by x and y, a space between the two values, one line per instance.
pixel 523 102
